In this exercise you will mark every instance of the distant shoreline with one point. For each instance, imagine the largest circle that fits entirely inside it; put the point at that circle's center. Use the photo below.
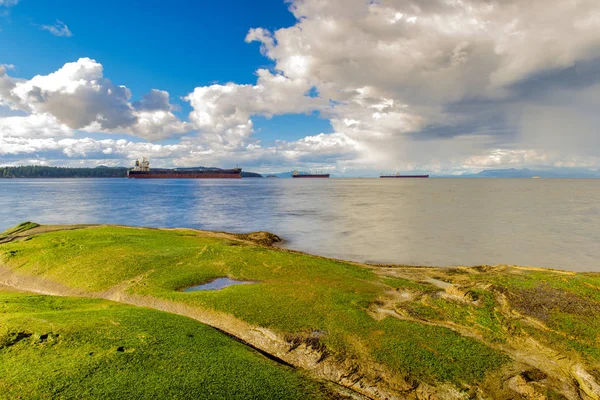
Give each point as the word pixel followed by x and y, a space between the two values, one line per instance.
pixel 35 171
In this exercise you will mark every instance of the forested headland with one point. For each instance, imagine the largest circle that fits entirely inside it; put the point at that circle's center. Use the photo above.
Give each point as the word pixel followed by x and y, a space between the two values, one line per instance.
pixel 37 171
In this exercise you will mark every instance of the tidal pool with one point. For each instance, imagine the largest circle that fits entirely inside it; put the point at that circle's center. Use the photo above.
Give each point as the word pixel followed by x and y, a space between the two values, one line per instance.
pixel 217 284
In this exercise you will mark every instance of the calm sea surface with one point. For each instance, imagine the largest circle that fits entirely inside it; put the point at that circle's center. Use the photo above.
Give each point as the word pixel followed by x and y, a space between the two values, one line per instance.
pixel 542 222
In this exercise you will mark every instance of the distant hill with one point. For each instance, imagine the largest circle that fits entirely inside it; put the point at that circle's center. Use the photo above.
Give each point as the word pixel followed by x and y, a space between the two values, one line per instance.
pixel 530 173
pixel 281 174
pixel 36 171
pixel 251 175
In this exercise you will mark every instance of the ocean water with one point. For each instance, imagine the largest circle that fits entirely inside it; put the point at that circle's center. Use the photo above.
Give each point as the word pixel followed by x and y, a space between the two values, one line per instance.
pixel 551 223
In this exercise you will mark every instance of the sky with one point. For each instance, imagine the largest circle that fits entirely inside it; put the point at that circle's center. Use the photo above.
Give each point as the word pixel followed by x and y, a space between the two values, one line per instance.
pixel 353 87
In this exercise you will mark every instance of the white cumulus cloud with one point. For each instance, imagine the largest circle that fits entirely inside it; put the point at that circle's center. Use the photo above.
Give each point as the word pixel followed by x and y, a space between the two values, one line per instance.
pixel 405 84
pixel 33 126
pixel 80 97
pixel 223 112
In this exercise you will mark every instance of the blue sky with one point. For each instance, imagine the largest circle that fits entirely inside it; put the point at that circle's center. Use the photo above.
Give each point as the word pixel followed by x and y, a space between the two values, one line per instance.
pixel 351 86
pixel 150 44
pixel 153 44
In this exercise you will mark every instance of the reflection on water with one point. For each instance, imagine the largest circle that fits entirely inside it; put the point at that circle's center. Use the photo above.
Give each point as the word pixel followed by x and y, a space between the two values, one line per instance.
pixel 217 284
pixel 550 223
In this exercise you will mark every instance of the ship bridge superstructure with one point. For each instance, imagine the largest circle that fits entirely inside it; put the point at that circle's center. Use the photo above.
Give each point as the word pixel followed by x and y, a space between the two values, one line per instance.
pixel 143 165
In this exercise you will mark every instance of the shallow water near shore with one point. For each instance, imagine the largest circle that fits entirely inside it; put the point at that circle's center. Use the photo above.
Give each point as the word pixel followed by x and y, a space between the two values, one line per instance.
pixel 552 223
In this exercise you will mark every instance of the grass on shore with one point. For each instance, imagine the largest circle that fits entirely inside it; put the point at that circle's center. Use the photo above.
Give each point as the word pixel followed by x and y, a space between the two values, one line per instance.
pixel 431 325
pixel 25 226
pixel 72 348
pixel 297 294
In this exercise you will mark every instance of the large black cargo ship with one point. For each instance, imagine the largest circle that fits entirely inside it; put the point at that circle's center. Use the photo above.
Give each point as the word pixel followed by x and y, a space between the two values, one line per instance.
pixel 404 176
pixel 142 171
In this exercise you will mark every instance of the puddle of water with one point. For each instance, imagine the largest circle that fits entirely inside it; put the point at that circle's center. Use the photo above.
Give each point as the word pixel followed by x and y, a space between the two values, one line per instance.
pixel 217 284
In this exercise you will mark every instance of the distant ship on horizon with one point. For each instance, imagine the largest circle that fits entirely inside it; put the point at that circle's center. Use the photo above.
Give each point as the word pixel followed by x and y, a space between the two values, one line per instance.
pixel 403 176
pixel 142 170
pixel 300 174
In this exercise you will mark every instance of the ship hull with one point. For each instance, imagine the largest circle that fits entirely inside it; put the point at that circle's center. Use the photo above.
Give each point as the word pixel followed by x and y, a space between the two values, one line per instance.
pixel 174 174
pixel 311 176
pixel 405 176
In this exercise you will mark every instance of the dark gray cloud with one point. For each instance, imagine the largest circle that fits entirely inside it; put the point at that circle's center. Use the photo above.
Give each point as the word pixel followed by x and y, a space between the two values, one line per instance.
pixel 107 106
pixel 581 75
pixel 153 101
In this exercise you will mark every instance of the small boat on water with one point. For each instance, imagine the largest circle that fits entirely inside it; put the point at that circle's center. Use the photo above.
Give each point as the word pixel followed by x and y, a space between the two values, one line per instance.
pixel 299 174
pixel 403 176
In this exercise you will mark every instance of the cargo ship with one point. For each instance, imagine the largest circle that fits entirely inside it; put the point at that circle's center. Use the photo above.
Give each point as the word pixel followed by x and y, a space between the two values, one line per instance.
pixel 142 171
pixel 403 176
pixel 299 174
